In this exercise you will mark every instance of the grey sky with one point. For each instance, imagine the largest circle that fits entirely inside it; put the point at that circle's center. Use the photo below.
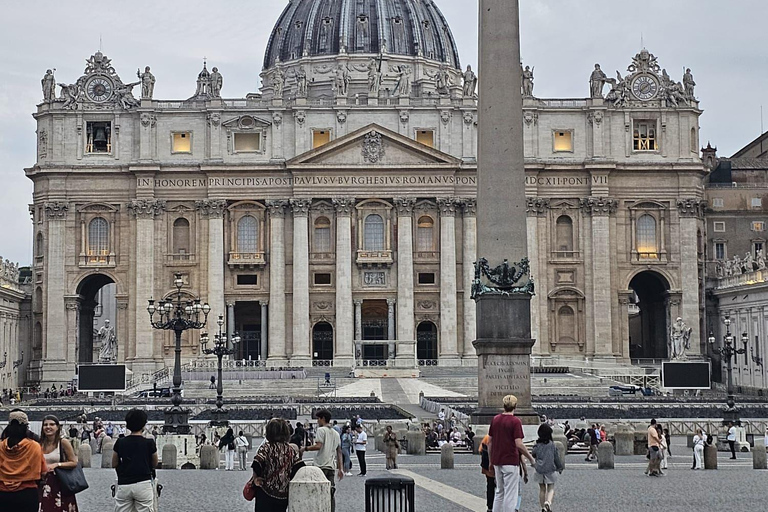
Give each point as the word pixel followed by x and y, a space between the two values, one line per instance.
pixel 723 43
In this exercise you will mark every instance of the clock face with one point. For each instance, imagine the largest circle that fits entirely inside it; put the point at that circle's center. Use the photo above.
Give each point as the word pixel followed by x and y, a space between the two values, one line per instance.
pixel 99 89
pixel 645 87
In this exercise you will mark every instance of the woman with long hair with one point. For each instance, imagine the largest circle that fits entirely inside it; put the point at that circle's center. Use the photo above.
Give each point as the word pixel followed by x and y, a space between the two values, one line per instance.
pixel 22 466
pixel 273 467
pixel 227 443
pixel 58 453
pixel 548 464
pixel 346 449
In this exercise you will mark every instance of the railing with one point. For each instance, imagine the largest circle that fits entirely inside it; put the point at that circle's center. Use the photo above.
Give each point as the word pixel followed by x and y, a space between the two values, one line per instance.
pixel 735 185
pixel 756 277
pixel 181 258
pixel 236 103
pixel 656 363
pixel 565 255
pixel 246 259
pixel 372 363
pixel 428 362
pixel 567 103
pixel 643 381
pixel 170 104
pixel 231 364
pixel 322 362
pixel 374 257
pixel 98 260
pixel 426 255
pixel 160 376
pixel 322 256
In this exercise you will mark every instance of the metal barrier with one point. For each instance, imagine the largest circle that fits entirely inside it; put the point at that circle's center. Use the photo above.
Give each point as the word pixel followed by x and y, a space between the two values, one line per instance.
pixel 389 494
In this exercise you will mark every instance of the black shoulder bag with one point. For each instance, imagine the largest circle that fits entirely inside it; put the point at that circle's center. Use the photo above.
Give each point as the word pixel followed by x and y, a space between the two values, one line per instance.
pixel 72 480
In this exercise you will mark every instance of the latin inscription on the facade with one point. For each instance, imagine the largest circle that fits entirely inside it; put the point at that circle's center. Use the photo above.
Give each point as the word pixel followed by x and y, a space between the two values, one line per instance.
pixel 291 181
pixel 502 375
pixel 561 181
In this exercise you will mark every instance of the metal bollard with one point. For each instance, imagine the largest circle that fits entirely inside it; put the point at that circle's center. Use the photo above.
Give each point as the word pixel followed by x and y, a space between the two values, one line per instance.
pixel 389 494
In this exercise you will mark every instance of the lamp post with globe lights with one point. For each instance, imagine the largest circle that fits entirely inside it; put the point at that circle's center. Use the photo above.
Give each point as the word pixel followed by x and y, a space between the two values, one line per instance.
pixel 221 348
pixel 177 315
pixel 729 351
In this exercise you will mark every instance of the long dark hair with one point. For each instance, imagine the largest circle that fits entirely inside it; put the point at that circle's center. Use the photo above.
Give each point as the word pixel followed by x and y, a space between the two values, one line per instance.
pixel 545 434
pixel 56 438
pixel 15 432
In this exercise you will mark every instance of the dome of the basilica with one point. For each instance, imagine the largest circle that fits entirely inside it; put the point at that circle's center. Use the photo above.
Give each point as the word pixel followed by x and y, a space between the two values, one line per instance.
pixel 309 28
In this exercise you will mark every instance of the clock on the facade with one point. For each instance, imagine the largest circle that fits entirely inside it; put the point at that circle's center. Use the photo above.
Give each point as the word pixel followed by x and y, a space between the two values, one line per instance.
pixel 99 89
pixel 645 87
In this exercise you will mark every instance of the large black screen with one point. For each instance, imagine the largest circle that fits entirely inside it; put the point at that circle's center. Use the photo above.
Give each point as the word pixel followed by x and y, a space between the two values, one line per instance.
pixel 692 375
pixel 101 377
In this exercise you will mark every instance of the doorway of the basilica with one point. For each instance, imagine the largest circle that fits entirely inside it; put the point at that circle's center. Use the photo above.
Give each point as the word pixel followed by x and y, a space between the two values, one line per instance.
pixel 248 326
pixel 648 317
pixel 97 319
pixel 374 328
pixel 322 342
pixel 426 343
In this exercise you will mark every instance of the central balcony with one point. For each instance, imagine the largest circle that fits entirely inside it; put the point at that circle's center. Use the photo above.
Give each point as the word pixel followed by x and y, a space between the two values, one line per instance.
pixel 374 258
pixel 246 259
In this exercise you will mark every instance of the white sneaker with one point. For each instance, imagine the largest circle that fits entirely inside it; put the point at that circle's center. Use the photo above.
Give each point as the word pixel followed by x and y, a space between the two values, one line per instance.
pixel 349 473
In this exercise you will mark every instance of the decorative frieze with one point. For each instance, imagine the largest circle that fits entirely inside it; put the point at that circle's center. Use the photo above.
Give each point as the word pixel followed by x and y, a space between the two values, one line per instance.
pixel 691 207
pixel 56 210
pixel 599 206
pixel 404 206
pixel 277 207
pixel 448 206
pixel 211 208
pixel 146 208
pixel 373 147
pixel 301 207
pixel 537 206
pixel 344 205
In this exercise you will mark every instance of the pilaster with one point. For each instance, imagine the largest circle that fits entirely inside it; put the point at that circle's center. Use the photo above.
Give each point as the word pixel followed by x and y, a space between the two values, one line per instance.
pixel 301 346
pixel 448 313
pixel 469 256
pixel 345 319
pixel 537 209
pixel 277 349
pixel 213 210
pixel 691 211
pixel 55 341
pixel 405 318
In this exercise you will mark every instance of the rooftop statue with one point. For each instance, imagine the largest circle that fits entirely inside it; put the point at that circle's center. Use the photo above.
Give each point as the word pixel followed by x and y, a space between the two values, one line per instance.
pixel 49 87
pixel 527 75
pixel 470 82
pixel 597 81
pixel 147 83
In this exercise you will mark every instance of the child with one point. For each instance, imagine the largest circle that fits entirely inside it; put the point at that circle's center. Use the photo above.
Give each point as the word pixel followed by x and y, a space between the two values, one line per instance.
pixel 547 462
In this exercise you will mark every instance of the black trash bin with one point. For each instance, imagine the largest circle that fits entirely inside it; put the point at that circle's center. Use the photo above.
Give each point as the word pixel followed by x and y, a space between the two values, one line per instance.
pixel 389 494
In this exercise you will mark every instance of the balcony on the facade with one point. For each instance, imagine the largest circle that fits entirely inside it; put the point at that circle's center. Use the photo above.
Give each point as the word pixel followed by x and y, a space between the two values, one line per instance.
pixel 374 258
pixel 246 259
pixel 98 259
pixel 322 257
pixel 427 256
pixel 566 255
pixel 753 278
pixel 181 259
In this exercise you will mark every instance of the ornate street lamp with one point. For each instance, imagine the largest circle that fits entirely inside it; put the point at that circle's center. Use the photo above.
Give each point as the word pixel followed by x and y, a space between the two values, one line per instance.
pixel 729 351
pixel 221 342
pixel 19 361
pixel 178 316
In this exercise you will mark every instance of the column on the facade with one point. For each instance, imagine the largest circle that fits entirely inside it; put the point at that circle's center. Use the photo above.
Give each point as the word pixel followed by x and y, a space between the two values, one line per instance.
pixel 405 318
pixel 144 211
pixel 213 210
pixel 263 338
pixel 230 324
pixel 122 328
pixel 691 211
pixel 391 327
pixel 536 208
pixel 346 331
pixel 448 313
pixel 358 328
pixel 301 348
pixel 55 341
pixel 276 326
pixel 601 208
pixel 469 255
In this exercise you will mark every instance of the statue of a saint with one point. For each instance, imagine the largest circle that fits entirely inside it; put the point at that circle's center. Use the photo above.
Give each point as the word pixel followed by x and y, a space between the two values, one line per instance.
pixel 736 266
pixel 597 82
pixel 760 260
pixel 108 340
pixel 301 82
pixel 442 80
pixel 689 84
pixel 527 74
pixel 278 81
pixel 748 262
pixel 679 339
pixel 470 82
pixel 403 87
pixel 216 83
pixel 147 83
pixel 49 87
pixel 341 81
pixel 374 78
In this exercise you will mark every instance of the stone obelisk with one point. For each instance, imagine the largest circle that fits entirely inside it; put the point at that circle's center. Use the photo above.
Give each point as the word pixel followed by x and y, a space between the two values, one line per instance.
pixel 502 291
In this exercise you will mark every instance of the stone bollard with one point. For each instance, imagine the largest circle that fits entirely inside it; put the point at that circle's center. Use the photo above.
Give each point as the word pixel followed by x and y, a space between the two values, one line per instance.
pixel 417 443
pixel 559 436
pixel 309 491
pixel 106 453
pixel 84 455
pixel 561 450
pixel 640 443
pixel 379 442
pixel 209 457
pixel 625 443
pixel 605 459
pixel 759 460
pixel 169 456
pixel 446 456
pixel 710 456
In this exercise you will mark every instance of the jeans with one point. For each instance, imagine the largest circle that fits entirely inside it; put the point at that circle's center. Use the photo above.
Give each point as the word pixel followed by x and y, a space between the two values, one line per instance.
pixel 507 486
pixel 331 476
pixel 138 497
pixel 346 457
pixel 361 461
pixel 242 456
pixel 229 457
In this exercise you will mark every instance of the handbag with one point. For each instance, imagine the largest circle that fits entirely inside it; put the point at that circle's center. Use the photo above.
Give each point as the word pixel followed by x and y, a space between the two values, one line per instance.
pixel 249 491
pixel 72 480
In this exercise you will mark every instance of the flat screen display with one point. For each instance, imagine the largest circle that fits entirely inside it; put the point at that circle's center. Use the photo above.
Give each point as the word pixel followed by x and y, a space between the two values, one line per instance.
pixel 101 377
pixel 686 375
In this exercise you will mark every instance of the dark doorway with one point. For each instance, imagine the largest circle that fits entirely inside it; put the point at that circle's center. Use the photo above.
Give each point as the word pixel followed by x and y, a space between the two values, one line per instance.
pixel 374 325
pixel 248 325
pixel 322 342
pixel 97 305
pixel 648 323
pixel 426 342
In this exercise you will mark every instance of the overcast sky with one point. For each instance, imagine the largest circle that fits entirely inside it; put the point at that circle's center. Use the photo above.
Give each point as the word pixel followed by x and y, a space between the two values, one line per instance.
pixel 722 42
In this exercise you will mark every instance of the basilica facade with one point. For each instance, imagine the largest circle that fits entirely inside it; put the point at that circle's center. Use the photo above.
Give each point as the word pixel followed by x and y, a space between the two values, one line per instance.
pixel 330 218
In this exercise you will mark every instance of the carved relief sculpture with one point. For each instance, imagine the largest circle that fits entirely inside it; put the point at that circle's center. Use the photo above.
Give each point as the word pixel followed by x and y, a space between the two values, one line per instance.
pixel 373 147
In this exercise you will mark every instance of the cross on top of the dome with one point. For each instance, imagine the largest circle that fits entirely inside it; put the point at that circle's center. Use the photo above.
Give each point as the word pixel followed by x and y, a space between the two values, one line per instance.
pixel 309 28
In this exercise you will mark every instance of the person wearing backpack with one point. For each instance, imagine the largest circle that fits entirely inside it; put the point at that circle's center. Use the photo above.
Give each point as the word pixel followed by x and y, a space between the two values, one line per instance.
pixel 548 465
pixel 487 470
pixel 227 444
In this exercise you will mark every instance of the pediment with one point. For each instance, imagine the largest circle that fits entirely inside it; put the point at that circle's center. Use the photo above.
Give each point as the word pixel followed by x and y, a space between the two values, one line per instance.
pixel 245 122
pixel 374 146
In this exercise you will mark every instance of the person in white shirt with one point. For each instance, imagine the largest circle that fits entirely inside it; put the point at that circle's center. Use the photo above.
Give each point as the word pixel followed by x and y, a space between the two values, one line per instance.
pixel 765 439
pixel 361 440
pixel 698 449
pixel 328 447
pixel 732 439
pixel 241 445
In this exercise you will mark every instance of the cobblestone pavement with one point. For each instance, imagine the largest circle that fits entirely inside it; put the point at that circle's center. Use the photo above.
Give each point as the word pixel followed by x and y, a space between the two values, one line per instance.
pixel 581 488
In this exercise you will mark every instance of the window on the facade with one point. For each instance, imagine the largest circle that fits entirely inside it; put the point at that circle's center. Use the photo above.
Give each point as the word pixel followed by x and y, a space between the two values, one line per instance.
pixel 373 233
pixel 644 136
pixel 563 141
pixel 322 235
pixel 758 226
pixel 320 138
pixel 564 231
pixel 247 142
pixel 720 250
pixel 248 235
pixel 98 240
pixel 247 279
pixel 757 202
pixel 718 227
pixel 757 247
pixel 426 137
pixel 717 202
pixel 426 278
pixel 646 237
pixel 181 236
pixel 182 142
pixel 425 239
pixel 323 278
pixel 99 137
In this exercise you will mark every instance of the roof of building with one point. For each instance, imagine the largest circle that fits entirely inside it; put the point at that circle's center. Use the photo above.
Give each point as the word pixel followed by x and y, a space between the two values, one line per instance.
pixel 332 27
pixel 758 148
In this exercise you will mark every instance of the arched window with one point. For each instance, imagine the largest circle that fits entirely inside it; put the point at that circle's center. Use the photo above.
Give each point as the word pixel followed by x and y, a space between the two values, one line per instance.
pixel 373 236
pixel 425 239
pixel 566 325
pixel 248 235
pixel 646 237
pixel 39 249
pixel 322 235
pixel 564 233
pixel 98 237
pixel 181 236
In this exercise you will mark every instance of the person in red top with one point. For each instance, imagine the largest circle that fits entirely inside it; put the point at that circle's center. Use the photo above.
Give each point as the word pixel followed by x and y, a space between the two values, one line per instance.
pixel 22 466
pixel 505 441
